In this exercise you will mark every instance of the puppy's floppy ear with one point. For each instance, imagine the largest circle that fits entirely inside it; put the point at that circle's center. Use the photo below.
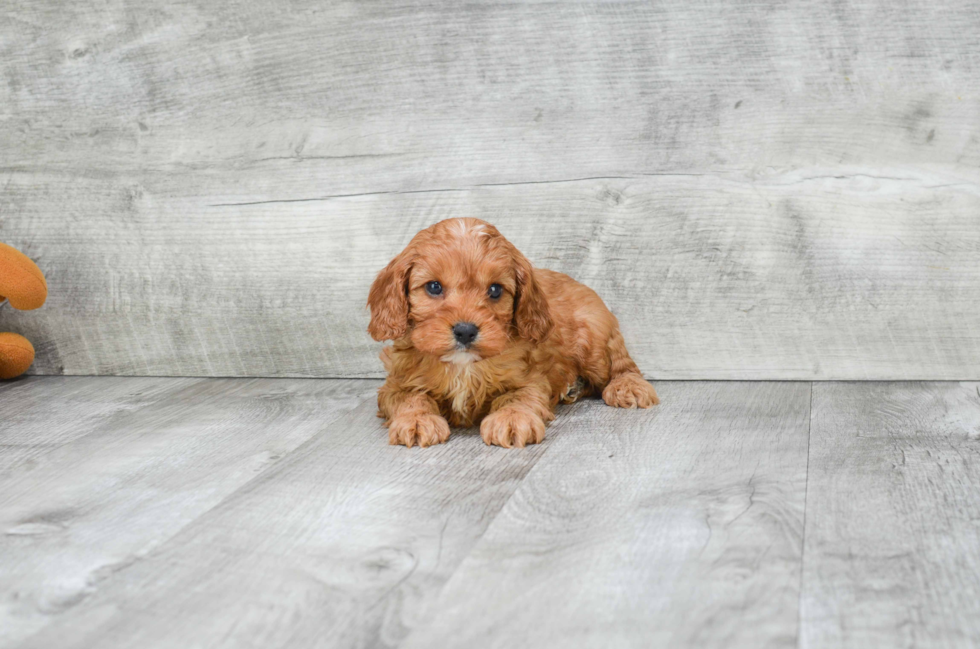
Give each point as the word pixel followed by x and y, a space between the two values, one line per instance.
pixel 388 299
pixel 531 314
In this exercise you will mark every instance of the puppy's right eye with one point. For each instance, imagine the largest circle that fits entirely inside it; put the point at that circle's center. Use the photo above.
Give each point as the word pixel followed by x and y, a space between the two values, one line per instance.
pixel 433 288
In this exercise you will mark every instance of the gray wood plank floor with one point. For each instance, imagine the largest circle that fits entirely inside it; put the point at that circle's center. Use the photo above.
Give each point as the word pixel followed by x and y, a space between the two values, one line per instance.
pixel 150 512
pixel 892 555
pixel 681 528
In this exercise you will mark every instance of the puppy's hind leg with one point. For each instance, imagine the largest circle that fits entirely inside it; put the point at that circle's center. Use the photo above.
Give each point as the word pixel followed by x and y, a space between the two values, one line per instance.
pixel 626 388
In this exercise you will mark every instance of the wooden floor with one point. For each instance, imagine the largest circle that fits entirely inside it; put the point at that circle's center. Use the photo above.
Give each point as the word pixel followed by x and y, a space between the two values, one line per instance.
pixel 161 512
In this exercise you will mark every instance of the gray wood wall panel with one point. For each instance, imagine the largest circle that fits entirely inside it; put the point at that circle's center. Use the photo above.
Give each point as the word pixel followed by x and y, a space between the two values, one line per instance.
pixel 758 191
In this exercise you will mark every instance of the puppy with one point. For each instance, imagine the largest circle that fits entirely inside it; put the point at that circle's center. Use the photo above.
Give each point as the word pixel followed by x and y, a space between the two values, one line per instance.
pixel 482 336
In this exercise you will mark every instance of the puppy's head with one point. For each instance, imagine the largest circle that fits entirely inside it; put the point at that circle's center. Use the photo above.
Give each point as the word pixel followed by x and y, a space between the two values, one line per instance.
pixel 460 291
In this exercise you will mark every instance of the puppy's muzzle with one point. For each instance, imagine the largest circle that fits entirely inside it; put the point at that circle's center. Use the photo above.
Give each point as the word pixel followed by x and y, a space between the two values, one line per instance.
pixel 465 333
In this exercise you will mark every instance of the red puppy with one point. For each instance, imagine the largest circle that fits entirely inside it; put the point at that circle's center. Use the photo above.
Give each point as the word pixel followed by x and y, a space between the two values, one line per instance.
pixel 482 336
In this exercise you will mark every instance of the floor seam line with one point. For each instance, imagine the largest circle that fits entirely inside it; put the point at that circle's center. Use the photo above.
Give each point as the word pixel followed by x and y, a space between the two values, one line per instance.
pixel 806 493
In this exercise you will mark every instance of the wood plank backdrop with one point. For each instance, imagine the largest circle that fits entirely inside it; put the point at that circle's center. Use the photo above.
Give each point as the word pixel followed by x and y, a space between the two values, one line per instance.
pixel 763 190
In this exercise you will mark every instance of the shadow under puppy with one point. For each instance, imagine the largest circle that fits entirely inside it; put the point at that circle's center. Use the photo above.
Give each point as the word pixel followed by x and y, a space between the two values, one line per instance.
pixel 482 336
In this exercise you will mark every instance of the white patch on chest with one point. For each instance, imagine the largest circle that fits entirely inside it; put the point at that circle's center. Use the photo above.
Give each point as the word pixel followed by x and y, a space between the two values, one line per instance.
pixel 461 387
pixel 459 357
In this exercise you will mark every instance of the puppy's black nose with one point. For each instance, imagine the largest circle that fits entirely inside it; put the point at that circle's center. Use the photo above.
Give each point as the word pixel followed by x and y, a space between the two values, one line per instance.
pixel 465 332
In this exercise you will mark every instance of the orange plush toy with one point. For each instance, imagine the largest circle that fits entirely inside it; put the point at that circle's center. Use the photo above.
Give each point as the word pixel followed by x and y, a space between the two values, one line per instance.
pixel 22 284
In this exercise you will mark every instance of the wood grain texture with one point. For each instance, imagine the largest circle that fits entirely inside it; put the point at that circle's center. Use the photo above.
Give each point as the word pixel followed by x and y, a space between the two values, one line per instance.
pixel 267 513
pixel 757 190
pixel 892 556
pixel 345 543
pixel 41 414
pixel 144 459
pixel 680 526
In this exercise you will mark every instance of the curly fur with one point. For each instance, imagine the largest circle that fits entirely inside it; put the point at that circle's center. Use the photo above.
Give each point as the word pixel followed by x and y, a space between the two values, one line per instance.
pixel 546 339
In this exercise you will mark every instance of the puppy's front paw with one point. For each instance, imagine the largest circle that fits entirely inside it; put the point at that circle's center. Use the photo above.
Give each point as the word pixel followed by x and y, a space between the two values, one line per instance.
pixel 512 426
pixel 630 391
pixel 423 429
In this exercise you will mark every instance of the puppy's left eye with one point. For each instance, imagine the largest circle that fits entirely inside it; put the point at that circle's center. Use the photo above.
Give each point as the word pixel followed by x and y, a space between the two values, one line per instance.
pixel 495 291
pixel 433 288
